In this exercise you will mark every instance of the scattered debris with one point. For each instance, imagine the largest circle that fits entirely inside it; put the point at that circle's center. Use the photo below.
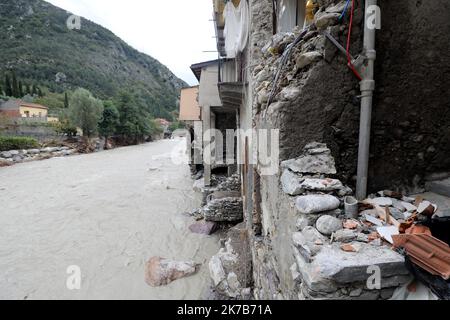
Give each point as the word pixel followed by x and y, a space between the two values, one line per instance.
pixel 427 252
pixel 387 232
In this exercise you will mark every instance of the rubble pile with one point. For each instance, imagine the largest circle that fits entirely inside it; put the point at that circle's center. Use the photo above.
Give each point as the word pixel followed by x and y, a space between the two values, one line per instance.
pixel 335 249
pixel 18 156
pixel 231 267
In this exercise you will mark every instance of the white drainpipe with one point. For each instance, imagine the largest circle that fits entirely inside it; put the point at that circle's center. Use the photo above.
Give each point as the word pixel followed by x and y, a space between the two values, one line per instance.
pixel 367 87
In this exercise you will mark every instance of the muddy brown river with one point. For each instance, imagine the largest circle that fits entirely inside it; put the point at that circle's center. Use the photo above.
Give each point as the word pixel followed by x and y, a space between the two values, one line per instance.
pixel 105 213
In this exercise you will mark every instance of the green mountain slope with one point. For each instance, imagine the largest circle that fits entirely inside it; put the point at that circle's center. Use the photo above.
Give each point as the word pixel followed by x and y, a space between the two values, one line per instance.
pixel 36 42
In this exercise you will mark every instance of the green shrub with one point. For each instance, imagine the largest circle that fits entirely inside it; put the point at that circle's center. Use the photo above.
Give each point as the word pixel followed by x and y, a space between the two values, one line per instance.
pixel 17 143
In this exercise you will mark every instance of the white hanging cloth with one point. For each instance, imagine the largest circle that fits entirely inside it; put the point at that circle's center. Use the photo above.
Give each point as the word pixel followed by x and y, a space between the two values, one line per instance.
pixel 236 28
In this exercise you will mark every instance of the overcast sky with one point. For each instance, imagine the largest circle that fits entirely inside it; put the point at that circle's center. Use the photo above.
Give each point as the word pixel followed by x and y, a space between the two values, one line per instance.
pixel 174 32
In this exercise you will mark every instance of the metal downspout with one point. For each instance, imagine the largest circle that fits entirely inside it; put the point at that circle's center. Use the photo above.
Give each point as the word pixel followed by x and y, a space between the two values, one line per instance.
pixel 367 86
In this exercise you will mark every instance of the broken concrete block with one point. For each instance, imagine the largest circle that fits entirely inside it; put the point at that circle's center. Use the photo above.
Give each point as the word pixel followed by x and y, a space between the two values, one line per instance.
pixel 328 224
pixel 316 203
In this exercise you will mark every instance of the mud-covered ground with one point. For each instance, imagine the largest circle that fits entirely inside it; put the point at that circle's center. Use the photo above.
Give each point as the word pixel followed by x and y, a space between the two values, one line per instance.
pixel 107 213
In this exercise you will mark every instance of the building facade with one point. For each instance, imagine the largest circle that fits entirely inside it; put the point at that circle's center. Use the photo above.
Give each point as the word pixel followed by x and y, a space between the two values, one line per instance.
pixel 360 83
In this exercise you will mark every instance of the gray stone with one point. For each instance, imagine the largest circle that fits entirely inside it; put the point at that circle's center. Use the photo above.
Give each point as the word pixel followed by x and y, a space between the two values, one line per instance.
pixel 397 214
pixel 307 58
pixel 204 227
pixel 322 21
pixel 324 185
pixel 348 267
pixel 290 183
pixel 328 224
pixel 308 242
pixel 344 235
pixel 316 158
pixel 6 154
pixel 302 223
pixel 14 152
pixel 356 292
pixel 17 158
pixel 316 203
pixel 49 149
pixel 361 237
pixel 34 151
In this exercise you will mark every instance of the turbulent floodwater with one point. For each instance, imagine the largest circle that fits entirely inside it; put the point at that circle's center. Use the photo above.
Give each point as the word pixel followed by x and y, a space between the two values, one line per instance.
pixel 107 213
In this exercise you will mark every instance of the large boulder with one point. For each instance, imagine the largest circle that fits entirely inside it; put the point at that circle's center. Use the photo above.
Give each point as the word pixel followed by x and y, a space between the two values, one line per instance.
pixel 327 225
pixel 161 272
pixel 231 267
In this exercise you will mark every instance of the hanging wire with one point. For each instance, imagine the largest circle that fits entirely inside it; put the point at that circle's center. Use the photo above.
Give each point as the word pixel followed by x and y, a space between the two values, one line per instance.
pixel 345 10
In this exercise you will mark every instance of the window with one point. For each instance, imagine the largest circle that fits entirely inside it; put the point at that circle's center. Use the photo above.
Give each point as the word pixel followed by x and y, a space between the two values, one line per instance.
pixel 290 13
pixel 40 114
pixel 27 114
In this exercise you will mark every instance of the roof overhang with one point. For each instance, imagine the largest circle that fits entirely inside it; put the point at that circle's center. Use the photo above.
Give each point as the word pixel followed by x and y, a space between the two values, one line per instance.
pixel 197 68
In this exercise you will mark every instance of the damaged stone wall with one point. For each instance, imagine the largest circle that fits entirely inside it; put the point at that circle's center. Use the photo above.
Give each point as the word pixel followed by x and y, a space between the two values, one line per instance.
pixel 316 99
pixel 317 95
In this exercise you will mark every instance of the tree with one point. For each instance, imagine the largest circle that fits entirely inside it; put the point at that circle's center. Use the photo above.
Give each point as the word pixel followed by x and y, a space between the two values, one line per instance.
pixel 66 101
pixel 8 88
pixel 85 111
pixel 110 121
pixel 27 89
pixel 135 122
pixel 21 94
pixel 15 85
pixel 39 92
pixel 33 90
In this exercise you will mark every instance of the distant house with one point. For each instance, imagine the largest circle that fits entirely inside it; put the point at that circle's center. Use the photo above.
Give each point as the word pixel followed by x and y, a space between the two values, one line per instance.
pixel 22 109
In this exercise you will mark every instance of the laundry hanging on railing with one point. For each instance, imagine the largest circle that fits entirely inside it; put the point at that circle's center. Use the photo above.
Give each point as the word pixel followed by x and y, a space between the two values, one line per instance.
pixel 236 27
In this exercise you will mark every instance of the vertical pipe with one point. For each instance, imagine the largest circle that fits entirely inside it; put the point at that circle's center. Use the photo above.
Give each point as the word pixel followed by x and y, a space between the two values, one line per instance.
pixel 367 87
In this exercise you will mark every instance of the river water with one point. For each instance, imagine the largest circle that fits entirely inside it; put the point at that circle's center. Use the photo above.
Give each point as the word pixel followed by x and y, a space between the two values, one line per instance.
pixel 105 213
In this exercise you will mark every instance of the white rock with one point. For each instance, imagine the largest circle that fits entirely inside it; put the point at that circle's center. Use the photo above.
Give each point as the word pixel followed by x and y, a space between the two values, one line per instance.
pixel 307 58
pixel 381 201
pixel 409 207
pixel 316 203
